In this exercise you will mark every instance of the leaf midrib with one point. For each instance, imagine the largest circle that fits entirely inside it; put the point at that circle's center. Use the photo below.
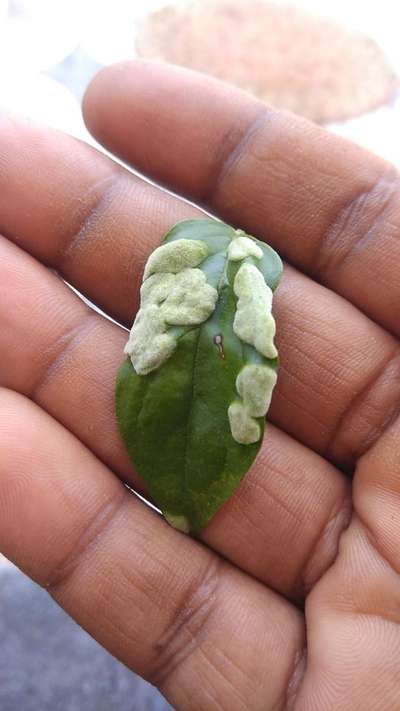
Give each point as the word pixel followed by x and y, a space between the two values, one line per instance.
pixel 190 414
pixel 191 402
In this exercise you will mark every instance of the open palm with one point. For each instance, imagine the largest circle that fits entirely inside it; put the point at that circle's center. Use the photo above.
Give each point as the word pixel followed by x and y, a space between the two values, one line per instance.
pixel 294 601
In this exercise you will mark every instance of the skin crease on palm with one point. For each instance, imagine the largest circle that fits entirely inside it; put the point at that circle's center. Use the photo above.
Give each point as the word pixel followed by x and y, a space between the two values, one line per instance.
pixel 292 601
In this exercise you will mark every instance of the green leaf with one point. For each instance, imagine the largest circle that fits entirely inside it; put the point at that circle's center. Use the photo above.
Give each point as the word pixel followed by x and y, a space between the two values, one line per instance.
pixel 174 420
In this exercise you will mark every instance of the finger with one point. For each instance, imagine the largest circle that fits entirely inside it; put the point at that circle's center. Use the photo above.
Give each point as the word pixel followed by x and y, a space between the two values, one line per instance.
pixel 353 632
pixel 353 615
pixel 61 353
pixel 339 382
pixel 330 207
pixel 83 214
pixel 163 604
pixel 340 398
pixel 291 506
pixel 377 492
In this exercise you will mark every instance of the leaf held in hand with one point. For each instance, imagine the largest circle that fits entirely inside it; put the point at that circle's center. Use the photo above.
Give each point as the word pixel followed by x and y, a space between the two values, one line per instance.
pixel 191 397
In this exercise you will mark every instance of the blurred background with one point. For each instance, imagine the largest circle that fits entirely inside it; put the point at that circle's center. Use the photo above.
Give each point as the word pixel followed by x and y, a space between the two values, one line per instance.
pixel 341 70
pixel 336 62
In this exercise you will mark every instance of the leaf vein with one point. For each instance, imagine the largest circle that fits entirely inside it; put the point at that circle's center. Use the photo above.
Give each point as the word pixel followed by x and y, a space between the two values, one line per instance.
pixel 190 412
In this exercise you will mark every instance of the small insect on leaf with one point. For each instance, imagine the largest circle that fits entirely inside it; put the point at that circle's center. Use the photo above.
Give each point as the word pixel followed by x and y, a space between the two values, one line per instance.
pixel 192 395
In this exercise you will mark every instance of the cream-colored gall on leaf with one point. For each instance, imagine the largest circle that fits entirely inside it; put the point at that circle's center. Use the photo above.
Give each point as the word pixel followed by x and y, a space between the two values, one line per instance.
pixel 191 300
pixel 253 322
pixel 175 256
pixel 148 345
pixel 168 299
pixel 255 384
pixel 244 429
pixel 242 247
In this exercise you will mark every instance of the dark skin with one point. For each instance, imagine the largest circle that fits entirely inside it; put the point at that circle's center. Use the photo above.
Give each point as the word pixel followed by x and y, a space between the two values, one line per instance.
pixel 219 625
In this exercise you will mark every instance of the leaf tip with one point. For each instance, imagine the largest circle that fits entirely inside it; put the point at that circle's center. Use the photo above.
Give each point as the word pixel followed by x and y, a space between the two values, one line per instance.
pixel 180 523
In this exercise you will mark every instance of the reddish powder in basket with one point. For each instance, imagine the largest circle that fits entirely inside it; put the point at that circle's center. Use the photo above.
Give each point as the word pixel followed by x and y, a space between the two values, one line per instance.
pixel 282 55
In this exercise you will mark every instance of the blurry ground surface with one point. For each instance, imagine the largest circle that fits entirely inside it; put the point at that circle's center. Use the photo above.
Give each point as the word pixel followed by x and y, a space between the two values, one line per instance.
pixel 286 57
pixel 50 50
pixel 48 663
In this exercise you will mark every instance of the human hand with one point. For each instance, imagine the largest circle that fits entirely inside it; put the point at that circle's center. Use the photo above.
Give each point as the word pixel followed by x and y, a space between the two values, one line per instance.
pixel 219 626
